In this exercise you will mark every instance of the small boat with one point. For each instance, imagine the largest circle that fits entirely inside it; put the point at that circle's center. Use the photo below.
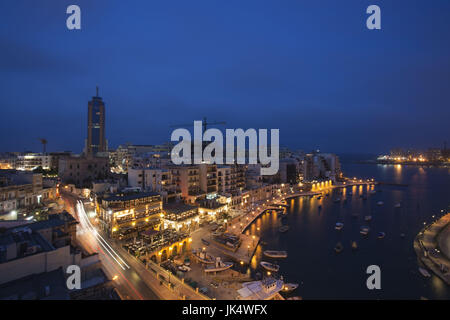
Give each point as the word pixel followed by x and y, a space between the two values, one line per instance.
pixel 354 245
pixel 402 235
pixel 337 200
pixel 381 235
pixel 424 272
pixel 204 257
pixel 219 266
pixel 339 226
pixel 373 191
pixel 339 247
pixel 398 205
pixel 270 266
pixel 205 242
pixel 263 243
pixel 288 287
pixel 368 218
pixel 283 228
pixel 364 230
pixel 275 254
pixel 380 203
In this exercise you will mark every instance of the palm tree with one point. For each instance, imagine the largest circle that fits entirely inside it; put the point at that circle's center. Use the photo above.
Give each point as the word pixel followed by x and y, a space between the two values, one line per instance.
pixel 44 144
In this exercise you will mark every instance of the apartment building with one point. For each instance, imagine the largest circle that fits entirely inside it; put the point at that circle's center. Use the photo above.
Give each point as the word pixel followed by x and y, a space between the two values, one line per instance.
pixel 154 180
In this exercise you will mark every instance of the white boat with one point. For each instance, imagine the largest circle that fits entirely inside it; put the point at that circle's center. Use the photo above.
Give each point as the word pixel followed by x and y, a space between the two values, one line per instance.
pixel 339 226
pixel 288 287
pixel 275 254
pixel 368 218
pixel 219 266
pixel 364 230
pixel 380 203
pixel 397 205
pixel 270 266
pixel 381 235
pixel 424 272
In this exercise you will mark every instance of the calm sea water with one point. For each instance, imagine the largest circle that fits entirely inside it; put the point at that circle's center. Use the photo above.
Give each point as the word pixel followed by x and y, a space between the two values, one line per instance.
pixel 324 274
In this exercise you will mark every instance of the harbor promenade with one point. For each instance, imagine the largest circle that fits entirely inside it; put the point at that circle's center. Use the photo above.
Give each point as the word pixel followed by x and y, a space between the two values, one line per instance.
pixel 431 246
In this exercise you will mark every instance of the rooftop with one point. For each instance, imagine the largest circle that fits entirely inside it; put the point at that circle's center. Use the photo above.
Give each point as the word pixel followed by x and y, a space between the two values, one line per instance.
pixel 130 196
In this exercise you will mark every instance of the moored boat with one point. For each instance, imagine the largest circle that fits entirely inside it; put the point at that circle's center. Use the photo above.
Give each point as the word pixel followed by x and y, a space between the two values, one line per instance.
pixel 270 266
pixel 380 203
pixel 424 272
pixel 364 230
pixel 204 257
pixel 368 218
pixel 275 254
pixel 283 228
pixel 337 200
pixel 381 235
pixel 397 205
pixel 339 226
pixel 219 266
pixel 288 287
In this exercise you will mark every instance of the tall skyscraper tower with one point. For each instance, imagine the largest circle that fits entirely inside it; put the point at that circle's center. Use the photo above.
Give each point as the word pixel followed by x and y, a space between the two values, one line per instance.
pixel 96 141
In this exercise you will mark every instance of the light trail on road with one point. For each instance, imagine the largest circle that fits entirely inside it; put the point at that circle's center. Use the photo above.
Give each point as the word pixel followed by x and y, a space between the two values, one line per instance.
pixel 87 225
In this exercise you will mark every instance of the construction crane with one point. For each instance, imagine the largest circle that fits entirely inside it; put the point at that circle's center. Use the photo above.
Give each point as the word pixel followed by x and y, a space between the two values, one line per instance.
pixel 44 144
pixel 204 124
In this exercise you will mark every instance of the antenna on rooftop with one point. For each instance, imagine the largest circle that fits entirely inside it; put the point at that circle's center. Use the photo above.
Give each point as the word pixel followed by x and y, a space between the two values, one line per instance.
pixel 97 91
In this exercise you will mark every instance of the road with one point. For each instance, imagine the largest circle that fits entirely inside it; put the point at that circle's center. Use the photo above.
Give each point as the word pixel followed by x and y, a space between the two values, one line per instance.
pixel 127 281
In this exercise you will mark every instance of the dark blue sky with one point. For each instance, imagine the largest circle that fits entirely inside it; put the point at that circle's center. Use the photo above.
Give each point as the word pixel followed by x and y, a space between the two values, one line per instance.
pixel 309 68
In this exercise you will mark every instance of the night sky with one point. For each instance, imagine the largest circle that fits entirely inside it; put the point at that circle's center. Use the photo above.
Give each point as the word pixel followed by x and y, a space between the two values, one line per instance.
pixel 310 68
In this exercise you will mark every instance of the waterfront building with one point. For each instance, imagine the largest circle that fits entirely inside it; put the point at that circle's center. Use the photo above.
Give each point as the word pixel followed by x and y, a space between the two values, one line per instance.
pixel 96 139
pixel 128 211
pixel 180 216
